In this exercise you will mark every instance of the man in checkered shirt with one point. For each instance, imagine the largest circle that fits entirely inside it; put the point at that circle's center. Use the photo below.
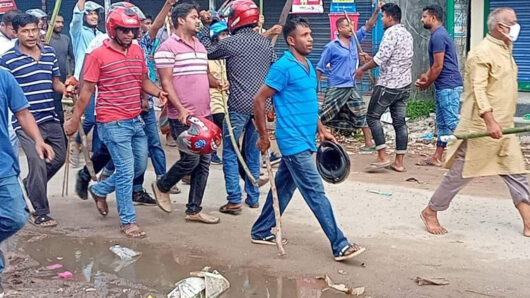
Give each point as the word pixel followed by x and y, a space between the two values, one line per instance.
pixel 248 57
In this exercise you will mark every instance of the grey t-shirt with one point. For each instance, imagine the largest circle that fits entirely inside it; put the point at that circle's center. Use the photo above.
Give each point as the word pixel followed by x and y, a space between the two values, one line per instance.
pixel 65 54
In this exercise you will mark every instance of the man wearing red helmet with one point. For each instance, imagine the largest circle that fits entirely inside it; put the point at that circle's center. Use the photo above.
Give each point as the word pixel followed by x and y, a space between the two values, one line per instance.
pixel 182 64
pixel 248 57
pixel 118 69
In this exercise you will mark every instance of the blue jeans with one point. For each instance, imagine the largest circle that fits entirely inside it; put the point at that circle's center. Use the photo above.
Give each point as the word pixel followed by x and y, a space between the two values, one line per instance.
pixel 156 152
pixel 396 100
pixel 299 171
pixel 127 144
pixel 241 122
pixel 447 111
pixel 13 210
pixel 158 157
pixel 89 121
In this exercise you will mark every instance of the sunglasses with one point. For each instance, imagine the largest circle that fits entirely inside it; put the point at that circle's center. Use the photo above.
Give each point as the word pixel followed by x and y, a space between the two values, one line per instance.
pixel 135 31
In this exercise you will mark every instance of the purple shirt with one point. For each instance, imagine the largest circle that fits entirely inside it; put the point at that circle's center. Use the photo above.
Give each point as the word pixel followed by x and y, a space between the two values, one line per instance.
pixel 190 74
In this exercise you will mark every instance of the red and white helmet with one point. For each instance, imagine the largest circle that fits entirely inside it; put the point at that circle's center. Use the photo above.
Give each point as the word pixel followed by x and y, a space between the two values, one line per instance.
pixel 135 8
pixel 202 136
pixel 240 13
pixel 121 17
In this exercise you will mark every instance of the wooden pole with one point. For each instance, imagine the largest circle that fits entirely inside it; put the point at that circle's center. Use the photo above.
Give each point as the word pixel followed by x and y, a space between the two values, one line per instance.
pixel 51 23
pixel 84 146
pixel 235 143
pixel 359 47
pixel 283 18
pixel 277 231
pixel 474 135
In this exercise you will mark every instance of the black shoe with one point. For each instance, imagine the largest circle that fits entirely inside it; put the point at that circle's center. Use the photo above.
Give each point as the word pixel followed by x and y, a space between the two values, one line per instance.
pixel 142 198
pixel 81 186
pixel 255 205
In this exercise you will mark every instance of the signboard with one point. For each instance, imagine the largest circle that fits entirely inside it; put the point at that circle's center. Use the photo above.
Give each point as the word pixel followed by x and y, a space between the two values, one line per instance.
pixel 6 5
pixel 308 6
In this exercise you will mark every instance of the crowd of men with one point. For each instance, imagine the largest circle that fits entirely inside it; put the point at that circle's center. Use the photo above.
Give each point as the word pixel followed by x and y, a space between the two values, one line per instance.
pixel 198 63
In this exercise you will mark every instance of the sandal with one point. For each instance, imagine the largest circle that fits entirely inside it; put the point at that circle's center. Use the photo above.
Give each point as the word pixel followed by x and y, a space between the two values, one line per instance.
pixel 377 166
pixel 132 230
pixel 44 221
pixel 349 252
pixel 101 202
pixel 394 168
pixel 428 163
pixel 234 210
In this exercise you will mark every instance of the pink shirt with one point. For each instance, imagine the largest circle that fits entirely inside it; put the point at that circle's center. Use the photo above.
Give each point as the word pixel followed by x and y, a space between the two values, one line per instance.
pixel 190 74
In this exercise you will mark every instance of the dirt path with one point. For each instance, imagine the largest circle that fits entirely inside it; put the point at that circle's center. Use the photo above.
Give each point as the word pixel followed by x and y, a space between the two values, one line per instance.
pixel 484 240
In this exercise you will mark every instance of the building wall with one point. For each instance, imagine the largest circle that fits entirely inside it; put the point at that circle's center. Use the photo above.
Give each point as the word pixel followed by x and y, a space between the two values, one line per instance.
pixel 477 22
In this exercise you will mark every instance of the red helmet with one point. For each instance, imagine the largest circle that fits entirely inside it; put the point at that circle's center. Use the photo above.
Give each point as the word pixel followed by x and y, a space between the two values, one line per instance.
pixel 121 17
pixel 241 13
pixel 202 136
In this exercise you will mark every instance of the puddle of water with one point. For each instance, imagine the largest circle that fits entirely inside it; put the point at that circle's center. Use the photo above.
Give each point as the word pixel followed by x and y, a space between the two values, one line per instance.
pixel 91 261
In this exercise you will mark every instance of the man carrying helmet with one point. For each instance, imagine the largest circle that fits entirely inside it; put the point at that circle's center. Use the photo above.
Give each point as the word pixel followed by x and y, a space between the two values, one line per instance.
pixel 244 48
pixel 118 69
pixel 183 68
pixel 292 83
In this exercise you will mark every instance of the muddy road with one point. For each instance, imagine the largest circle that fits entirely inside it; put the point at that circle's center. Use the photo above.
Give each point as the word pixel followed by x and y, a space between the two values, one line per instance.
pixel 484 254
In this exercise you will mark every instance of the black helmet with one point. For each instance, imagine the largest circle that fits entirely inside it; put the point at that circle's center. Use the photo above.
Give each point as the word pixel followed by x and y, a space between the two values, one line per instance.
pixel 333 163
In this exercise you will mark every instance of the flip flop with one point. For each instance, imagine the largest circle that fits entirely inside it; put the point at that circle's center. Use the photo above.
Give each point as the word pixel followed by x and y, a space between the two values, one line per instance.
pixel 230 210
pixel 427 163
pixel 376 166
pixel 393 168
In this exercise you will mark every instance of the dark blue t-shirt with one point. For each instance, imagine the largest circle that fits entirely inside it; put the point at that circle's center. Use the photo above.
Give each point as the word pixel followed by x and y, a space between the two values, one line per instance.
pixel 450 76
pixel 11 98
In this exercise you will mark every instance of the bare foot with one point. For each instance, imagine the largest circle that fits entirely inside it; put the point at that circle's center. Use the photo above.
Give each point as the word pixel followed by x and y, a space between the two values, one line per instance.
pixel 524 209
pixel 430 219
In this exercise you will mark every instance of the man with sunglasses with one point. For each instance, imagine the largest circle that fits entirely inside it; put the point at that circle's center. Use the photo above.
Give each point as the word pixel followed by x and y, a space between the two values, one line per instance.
pixel 118 69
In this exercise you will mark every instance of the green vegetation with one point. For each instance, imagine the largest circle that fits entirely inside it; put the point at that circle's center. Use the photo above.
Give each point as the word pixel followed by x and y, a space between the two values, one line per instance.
pixel 420 108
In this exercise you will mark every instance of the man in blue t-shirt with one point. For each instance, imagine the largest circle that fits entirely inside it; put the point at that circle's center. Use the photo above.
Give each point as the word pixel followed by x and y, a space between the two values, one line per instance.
pixel 13 209
pixel 292 84
pixel 445 75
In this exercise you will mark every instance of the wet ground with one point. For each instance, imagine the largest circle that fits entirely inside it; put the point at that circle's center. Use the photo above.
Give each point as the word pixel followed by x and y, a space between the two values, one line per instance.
pixel 98 272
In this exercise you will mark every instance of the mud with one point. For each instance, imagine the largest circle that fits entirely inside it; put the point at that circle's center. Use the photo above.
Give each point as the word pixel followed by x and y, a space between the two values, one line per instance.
pixel 97 272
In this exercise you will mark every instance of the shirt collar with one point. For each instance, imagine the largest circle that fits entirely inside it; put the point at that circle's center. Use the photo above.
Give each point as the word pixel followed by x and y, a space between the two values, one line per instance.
pixel 292 58
pixel 19 52
pixel 497 41
pixel 5 35
pixel 439 28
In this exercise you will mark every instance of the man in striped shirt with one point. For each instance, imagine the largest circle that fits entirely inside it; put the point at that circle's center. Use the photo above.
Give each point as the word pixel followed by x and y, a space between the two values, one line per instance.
pixel 36 69
pixel 183 67
pixel 118 69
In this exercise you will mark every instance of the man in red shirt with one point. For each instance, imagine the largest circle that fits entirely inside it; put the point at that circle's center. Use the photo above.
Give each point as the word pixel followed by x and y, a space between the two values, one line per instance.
pixel 118 69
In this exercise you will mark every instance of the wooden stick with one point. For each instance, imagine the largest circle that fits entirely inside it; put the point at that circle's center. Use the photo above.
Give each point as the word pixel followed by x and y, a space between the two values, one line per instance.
pixel 283 18
pixel 359 47
pixel 66 169
pixel 277 231
pixel 52 21
pixel 235 143
pixel 474 135
pixel 84 146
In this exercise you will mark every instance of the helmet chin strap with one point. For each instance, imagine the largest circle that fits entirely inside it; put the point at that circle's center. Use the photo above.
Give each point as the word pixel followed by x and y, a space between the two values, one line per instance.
pixel 119 42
